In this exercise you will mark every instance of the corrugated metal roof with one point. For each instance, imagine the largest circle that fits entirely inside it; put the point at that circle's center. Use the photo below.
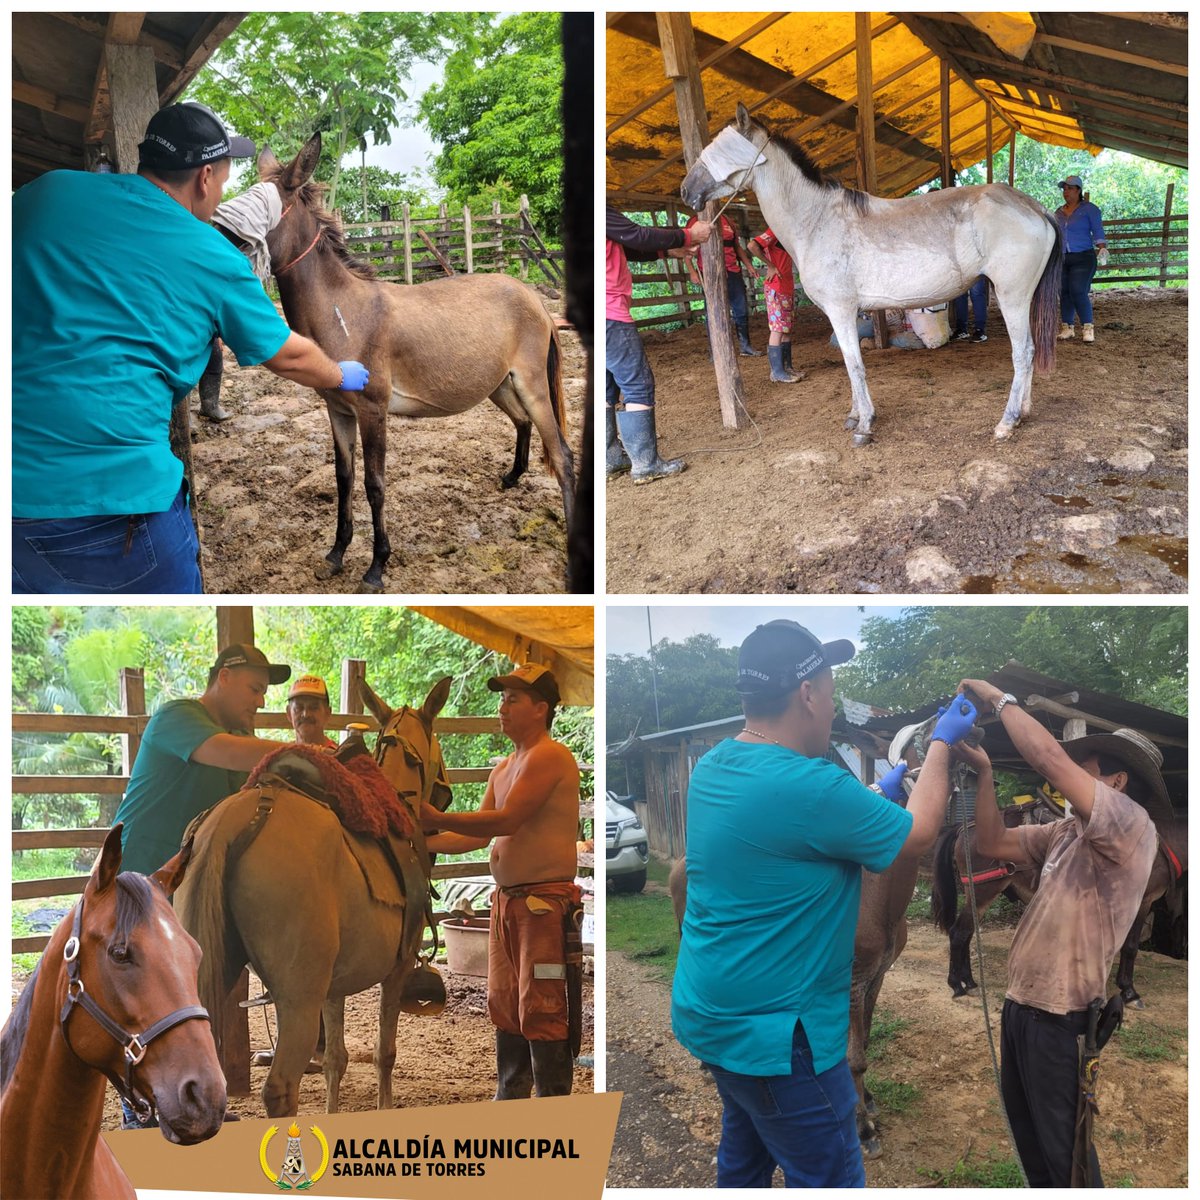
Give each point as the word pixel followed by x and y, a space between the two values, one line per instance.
pixel 1086 80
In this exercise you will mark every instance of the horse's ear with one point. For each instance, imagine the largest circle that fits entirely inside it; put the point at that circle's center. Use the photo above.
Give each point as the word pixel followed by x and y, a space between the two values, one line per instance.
pixel 435 701
pixel 108 866
pixel 300 170
pixel 743 119
pixel 268 164
pixel 170 875
pixel 379 710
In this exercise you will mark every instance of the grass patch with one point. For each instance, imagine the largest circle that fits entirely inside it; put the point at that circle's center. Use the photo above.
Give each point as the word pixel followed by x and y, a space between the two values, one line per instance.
pixel 1002 911
pixel 884 1027
pixel 895 1097
pixel 658 872
pixel 991 1172
pixel 644 928
pixel 1148 1042
pixel 918 906
pixel 45 864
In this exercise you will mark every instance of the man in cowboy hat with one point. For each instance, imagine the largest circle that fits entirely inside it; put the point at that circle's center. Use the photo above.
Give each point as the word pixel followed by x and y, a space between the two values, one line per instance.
pixel 1094 869
pixel 531 808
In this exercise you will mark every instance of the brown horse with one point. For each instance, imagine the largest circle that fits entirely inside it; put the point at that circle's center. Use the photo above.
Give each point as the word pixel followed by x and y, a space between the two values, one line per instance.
pixel 433 350
pixel 879 938
pixel 113 998
pixel 949 869
pixel 305 881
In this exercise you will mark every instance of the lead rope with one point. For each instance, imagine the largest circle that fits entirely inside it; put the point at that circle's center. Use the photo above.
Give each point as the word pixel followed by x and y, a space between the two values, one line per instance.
pixel 960 772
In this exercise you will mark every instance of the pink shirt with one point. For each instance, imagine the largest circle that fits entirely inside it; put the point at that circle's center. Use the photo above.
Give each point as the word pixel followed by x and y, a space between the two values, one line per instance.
pixel 618 282
pixel 785 282
pixel 1091 886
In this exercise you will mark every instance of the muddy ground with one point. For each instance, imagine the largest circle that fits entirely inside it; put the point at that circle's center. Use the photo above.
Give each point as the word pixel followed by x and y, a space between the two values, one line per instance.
pixel 671 1116
pixel 1089 495
pixel 448 1059
pixel 267 494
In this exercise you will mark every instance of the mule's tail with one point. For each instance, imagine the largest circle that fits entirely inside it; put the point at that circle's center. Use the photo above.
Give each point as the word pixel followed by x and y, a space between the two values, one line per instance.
pixel 200 906
pixel 944 904
pixel 1046 306
pixel 554 379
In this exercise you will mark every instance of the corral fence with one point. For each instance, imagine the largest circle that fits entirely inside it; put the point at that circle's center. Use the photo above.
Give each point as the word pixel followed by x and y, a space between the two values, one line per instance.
pixel 1142 251
pixel 409 249
pixel 130 724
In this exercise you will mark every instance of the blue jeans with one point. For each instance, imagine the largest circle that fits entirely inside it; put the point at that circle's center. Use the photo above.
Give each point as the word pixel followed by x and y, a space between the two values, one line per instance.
pixel 735 286
pixel 153 553
pixel 803 1122
pixel 979 300
pixel 1079 268
pixel 626 369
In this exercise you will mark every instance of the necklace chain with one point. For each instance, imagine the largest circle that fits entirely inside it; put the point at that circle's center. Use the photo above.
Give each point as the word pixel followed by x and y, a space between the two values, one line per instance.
pixel 764 737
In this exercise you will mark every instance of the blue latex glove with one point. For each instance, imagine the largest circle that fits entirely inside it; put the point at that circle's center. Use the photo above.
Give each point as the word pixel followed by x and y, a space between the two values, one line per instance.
pixel 955 721
pixel 890 785
pixel 355 376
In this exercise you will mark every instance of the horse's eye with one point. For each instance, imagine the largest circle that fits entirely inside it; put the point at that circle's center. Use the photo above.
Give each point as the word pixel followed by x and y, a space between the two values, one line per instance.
pixel 119 953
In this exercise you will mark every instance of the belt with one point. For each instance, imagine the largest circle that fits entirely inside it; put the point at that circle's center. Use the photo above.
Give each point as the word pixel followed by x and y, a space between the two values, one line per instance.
pixel 1074 1021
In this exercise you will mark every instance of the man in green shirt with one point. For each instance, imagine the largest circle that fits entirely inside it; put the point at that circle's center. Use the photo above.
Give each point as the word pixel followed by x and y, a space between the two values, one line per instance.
pixel 193 754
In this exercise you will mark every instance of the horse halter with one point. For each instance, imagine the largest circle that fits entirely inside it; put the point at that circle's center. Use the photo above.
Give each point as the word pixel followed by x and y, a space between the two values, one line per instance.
pixel 133 1044
pixel 389 737
pixel 311 245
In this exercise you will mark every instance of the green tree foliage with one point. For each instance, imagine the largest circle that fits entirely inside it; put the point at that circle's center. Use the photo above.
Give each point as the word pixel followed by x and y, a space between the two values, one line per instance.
pixel 390 188
pixel 1137 653
pixel 497 114
pixel 279 77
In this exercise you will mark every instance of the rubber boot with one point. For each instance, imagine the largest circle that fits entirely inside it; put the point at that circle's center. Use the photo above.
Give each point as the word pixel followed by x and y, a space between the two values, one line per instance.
pixel 778 373
pixel 514 1067
pixel 1089 333
pixel 641 441
pixel 210 388
pixel 553 1068
pixel 1066 331
pixel 615 458
pixel 797 376
pixel 743 332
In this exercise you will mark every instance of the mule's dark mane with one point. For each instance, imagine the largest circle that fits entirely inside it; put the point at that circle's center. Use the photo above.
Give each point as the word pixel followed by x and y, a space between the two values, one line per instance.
pixel 809 169
pixel 135 900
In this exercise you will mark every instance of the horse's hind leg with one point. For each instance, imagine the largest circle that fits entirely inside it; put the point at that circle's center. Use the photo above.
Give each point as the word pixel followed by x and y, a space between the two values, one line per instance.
pixel 507 401
pixel 533 391
pixel 1015 311
pixel 299 1026
pixel 373 422
pixel 385 1047
pixel 345 435
pixel 336 1058
pixel 862 411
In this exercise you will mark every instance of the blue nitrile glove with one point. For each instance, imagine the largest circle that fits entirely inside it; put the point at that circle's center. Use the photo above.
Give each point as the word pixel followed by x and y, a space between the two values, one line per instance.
pixel 355 376
pixel 891 786
pixel 955 721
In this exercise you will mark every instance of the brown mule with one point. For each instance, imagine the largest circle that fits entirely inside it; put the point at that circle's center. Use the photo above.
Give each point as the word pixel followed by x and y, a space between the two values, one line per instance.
pixel 434 350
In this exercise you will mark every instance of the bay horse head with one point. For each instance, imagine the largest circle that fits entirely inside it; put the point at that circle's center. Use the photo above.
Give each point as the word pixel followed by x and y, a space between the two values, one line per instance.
pixel 126 992
pixel 726 165
pixel 407 750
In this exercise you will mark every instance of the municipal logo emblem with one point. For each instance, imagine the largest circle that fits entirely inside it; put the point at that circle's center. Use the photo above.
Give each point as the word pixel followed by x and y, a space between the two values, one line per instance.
pixel 293 1173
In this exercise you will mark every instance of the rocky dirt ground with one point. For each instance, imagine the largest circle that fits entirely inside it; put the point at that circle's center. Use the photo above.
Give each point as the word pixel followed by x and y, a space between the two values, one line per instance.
pixel 448 1059
pixel 267 495
pixel 671 1116
pixel 1090 494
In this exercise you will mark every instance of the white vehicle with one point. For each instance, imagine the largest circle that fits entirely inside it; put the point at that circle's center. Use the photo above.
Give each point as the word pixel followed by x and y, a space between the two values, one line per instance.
pixel 627 848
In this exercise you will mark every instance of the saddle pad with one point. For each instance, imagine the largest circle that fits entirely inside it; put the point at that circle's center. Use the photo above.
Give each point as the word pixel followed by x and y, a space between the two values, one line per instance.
pixel 361 794
pixel 385 887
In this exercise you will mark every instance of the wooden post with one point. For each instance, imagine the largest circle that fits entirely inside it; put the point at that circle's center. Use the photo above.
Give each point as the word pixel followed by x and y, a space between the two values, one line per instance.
pixel 676 273
pixel 133 704
pixel 522 217
pixel 498 221
pixel 678 44
pixel 868 176
pixel 408 276
pixel 235 623
pixel 947 165
pixel 353 671
pixel 133 90
pixel 1166 234
pixel 1012 160
pixel 987 125
pixel 468 240
pixel 443 231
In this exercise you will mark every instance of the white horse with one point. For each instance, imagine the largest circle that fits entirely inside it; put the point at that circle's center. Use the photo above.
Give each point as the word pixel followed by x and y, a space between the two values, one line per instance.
pixel 854 251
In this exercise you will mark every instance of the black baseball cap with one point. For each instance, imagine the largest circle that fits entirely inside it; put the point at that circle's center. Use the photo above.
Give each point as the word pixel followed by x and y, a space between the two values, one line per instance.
pixel 531 678
pixel 780 655
pixel 238 655
pixel 189 135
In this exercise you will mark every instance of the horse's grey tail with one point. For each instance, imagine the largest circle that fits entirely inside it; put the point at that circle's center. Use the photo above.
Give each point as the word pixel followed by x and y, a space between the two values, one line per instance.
pixel 944 904
pixel 200 906
pixel 554 379
pixel 1046 306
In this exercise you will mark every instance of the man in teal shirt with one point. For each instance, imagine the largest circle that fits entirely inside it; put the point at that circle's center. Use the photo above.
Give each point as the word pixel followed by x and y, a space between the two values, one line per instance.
pixel 777 837
pixel 119 287
pixel 193 754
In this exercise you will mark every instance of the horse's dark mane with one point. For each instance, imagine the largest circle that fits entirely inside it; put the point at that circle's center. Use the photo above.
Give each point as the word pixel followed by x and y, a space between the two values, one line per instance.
pixel 135 899
pixel 15 1030
pixel 311 196
pixel 809 169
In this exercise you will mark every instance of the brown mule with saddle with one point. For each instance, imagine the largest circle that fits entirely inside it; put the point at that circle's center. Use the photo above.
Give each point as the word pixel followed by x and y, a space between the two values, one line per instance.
pixel 316 874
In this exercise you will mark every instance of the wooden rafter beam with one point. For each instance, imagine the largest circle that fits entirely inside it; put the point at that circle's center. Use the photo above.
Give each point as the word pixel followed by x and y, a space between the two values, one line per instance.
pixel 45 100
pixel 1095 51
pixel 1138 113
pixel 199 51
pixel 169 54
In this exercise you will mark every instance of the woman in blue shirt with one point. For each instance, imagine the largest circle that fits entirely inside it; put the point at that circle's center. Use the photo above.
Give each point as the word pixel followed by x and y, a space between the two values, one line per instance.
pixel 1083 234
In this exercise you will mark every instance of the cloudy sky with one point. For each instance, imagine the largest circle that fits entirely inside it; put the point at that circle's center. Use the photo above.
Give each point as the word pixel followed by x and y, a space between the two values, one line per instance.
pixel 729 624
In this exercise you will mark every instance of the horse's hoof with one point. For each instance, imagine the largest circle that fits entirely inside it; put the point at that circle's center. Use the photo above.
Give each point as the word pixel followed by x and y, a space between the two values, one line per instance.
pixel 861 439
pixel 871 1107
pixel 1138 1003
pixel 850 423
pixel 872 1148
pixel 326 570
pixel 1004 430
pixel 368 587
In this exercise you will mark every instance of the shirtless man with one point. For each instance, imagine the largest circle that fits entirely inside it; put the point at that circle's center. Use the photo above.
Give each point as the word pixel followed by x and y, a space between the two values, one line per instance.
pixel 531 809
